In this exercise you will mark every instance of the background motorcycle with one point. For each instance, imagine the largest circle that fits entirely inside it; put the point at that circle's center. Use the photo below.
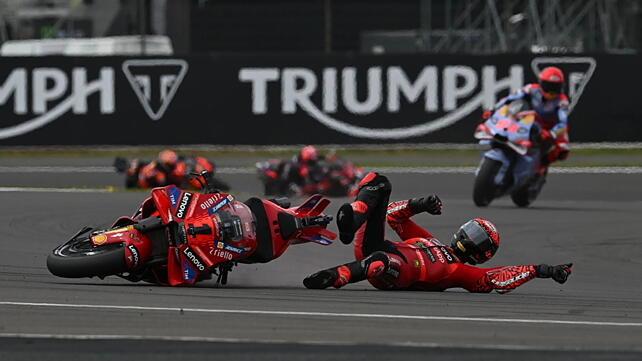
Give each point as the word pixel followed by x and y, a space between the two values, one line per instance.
pixel 333 177
pixel 186 165
pixel 179 237
pixel 511 163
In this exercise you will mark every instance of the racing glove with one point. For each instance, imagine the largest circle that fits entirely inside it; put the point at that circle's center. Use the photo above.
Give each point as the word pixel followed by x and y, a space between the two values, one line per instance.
pixel 558 273
pixel 486 114
pixel 431 204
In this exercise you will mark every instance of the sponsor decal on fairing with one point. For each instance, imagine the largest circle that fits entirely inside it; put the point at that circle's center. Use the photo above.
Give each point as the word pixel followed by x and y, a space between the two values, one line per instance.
pixel 183 206
pixel 221 254
pixel 135 257
pixel 189 274
pixel 174 193
pixel 192 257
pixel 227 247
pixel 222 203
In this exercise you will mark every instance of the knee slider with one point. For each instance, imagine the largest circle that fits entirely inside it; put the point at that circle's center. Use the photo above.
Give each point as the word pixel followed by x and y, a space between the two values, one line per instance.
pixel 376 264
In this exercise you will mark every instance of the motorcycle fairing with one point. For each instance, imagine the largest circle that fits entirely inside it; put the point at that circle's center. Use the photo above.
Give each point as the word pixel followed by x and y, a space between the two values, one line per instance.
pixel 137 247
pixel 524 166
pixel 510 130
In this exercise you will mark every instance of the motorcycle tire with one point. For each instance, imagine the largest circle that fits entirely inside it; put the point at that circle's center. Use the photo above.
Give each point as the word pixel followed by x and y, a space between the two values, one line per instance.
pixel 484 187
pixel 526 194
pixel 80 258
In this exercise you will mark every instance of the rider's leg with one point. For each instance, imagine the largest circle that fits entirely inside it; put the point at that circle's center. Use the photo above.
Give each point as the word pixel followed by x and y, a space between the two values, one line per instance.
pixel 371 266
pixel 364 219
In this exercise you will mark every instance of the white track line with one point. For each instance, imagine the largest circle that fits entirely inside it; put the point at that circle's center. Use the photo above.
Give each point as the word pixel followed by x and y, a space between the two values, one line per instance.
pixel 390 170
pixel 325 314
pixel 471 170
pixel 55 190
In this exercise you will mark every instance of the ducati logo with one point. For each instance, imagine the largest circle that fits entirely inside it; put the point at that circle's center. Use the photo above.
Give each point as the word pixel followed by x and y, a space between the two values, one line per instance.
pixel 155 82
pixel 578 70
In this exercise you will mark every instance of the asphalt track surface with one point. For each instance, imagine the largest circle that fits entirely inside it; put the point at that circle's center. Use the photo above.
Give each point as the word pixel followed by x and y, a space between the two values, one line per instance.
pixel 265 313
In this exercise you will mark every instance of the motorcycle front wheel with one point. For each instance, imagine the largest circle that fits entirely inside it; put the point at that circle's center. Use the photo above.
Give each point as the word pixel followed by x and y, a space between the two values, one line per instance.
pixel 484 188
pixel 526 194
pixel 80 258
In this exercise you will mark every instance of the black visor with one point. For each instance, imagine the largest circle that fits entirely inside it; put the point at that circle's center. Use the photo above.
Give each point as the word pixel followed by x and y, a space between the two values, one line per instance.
pixel 231 227
pixel 478 236
pixel 551 87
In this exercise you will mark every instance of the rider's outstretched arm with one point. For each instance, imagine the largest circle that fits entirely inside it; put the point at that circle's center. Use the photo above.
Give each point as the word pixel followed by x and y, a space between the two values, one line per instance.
pixel 400 212
pixel 506 279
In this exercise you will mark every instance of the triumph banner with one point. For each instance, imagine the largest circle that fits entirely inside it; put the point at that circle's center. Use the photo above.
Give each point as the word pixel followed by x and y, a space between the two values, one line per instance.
pixel 279 99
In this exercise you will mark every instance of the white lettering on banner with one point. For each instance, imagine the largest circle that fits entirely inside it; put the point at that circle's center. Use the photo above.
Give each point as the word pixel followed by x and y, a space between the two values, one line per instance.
pixel 259 78
pixel 373 100
pixel 458 98
pixel 330 90
pixel 297 96
pixel 491 85
pixel 104 84
pixel 451 92
pixel 298 85
pixel 42 95
pixel 17 85
pixel 426 83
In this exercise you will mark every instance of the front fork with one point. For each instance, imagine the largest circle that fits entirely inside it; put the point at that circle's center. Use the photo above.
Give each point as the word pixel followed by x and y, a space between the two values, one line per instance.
pixel 515 168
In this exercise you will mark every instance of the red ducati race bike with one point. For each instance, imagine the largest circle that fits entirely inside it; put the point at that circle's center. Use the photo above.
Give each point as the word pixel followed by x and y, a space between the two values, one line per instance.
pixel 180 237
pixel 332 177
pixel 148 174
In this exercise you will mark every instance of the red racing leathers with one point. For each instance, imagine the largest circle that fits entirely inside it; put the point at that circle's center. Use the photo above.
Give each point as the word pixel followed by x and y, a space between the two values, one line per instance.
pixel 419 261
pixel 427 264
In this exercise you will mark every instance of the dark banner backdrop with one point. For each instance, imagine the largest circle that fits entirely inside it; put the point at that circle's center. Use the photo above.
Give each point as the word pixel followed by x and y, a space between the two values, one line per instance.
pixel 294 99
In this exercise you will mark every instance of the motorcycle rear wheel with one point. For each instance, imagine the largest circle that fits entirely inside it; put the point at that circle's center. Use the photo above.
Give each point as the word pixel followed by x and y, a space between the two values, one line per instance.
pixel 484 188
pixel 80 258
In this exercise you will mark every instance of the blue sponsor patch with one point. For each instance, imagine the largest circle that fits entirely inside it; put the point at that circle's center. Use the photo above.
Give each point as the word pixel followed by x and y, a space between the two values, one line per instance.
pixel 222 203
pixel 174 194
pixel 227 247
pixel 189 273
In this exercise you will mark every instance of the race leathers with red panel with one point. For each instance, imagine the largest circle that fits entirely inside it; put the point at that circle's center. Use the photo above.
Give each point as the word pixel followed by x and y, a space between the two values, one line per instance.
pixel 419 261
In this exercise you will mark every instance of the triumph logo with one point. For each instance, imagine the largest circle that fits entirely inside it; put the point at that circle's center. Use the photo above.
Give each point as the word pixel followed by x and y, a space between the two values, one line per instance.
pixel 155 82
pixel 450 92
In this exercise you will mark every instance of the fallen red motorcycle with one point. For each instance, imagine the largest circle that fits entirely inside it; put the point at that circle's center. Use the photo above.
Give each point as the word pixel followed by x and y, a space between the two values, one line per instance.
pixel 145 174
pixel 180 237
pixel 332 177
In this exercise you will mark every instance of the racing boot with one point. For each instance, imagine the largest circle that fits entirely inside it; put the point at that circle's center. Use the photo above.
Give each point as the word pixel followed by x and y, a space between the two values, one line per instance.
pixel 335 277
pixel 374 189
pixel 372 266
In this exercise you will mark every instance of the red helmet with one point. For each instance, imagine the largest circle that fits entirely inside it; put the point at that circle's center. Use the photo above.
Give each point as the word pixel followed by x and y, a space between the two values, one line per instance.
pixel 308 153
pixel 551 80
pixel 167 159
pixel 476 241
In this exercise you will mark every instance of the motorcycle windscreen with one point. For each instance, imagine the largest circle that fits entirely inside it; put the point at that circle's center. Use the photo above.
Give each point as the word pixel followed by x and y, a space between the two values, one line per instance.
pixel 235 228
